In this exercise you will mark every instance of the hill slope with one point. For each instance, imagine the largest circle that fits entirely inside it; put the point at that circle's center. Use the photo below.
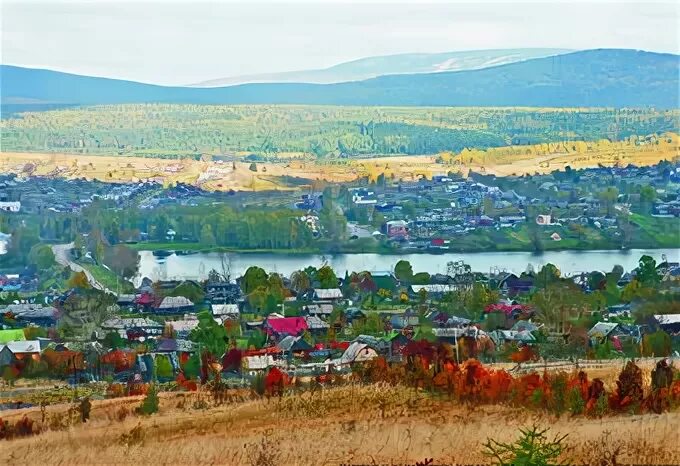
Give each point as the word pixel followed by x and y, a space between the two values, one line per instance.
pixel 406 63
pixel 594 78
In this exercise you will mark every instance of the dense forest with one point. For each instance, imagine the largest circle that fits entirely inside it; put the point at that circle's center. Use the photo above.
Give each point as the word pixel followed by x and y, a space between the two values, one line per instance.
pixel 173 131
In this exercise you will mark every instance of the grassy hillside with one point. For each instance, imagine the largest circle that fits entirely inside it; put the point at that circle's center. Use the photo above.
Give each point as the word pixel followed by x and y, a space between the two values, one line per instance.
pixel 610 77
pixel 173 131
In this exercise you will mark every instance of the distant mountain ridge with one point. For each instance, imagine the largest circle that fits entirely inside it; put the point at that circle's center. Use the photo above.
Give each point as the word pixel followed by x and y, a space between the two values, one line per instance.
pixel 405 63
pixel 591 78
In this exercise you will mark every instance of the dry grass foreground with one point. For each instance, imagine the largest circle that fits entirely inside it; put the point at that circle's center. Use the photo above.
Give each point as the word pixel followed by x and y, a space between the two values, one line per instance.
pixel 503 161
pixel 375 424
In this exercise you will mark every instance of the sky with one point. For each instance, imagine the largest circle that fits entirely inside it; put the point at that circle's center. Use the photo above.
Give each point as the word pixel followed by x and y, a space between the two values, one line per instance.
pixel 182 42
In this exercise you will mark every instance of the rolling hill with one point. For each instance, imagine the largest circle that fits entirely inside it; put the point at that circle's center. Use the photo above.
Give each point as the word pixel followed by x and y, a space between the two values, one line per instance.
pixel 593 78
pixel 406 63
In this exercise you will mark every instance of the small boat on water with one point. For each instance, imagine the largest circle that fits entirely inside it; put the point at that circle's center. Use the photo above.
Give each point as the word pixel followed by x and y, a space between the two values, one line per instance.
pixel 162 253
pixel 185 252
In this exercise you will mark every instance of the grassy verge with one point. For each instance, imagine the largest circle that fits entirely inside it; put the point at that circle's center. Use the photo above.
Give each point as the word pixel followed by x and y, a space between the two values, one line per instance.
pixel 650 233
pixel 108 278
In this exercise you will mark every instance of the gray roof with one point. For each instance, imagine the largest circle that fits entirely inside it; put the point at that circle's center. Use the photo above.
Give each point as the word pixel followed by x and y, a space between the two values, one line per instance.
pixel 172 302
pixel 28 346
pixel 602 328
pixel 30 310
pixel 315 323
pixel 328 293
pixel 121 324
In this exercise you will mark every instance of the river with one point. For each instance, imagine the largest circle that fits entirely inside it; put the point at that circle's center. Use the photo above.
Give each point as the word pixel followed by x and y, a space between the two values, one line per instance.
pixel 197 266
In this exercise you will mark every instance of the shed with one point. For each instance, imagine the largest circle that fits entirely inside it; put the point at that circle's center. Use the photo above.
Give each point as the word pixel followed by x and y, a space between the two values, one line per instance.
pixel 327 294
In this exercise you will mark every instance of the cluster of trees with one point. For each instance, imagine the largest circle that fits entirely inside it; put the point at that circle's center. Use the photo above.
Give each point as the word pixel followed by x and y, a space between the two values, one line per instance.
pixel 163 131
pixel 213 226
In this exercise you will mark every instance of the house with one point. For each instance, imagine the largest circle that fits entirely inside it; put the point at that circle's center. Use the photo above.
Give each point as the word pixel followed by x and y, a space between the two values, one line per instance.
pixel 669 323
pixel 385 280
pixel 15 351
pixel 10 206
pixel 145 300
pixel 315 324
pixel 438 290
pixel 512 285
pixel 544 219
pixel 224 312
pixel 182 328
pixel 614 332
pixel 36 314
pixel 357 352
pixel 524 326
pixel 322 309
pixel 602 329
pixel 257 363
pixel 292 344
pixel 175 345
pixel 284 326
pixel 501 337
pixel 407 319
pixel 363 196
pixel 133 328
pixel 354 314
pixel 327 294
pixel 174 305
pixel 223 292
pixel 510 220
pixel 126 300
pixel 397 229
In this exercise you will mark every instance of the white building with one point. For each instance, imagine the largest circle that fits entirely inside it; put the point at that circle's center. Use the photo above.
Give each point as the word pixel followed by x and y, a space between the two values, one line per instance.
pixel 10 206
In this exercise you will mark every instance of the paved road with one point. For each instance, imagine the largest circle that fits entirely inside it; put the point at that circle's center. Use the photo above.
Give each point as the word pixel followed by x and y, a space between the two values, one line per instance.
pixel 62 254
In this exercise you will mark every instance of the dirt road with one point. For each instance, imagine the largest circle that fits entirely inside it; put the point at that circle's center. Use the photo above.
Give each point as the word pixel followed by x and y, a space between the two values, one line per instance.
pixel 62 254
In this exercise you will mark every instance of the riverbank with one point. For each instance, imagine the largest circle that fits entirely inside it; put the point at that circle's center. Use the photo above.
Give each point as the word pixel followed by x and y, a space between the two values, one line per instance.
pixel 196 266
pixel 375 247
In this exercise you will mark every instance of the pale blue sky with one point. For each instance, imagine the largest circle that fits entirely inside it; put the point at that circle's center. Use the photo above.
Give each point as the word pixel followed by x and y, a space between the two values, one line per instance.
pixel 179 42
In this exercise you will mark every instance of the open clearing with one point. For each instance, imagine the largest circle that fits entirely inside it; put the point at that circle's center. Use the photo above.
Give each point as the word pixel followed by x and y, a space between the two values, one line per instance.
pixel 286 175
pixel 352 424
pixel 356 425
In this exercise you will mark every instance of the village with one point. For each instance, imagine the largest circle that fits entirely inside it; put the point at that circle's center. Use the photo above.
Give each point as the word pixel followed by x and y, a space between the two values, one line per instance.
pixel 600 208
pixel 313 323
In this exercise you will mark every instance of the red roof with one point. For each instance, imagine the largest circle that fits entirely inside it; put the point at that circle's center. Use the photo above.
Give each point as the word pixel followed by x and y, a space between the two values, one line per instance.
pixel 286 325
pixel 437 242
pixel 262 352
pixel 145 299
pixel 342 345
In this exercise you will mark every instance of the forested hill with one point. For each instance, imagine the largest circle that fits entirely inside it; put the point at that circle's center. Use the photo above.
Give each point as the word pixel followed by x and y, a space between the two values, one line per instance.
pixel 594 78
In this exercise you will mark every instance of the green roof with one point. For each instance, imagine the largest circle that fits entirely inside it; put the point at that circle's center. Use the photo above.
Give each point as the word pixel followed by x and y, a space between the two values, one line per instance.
pixel 15 334
pixel 242 343
pixel 387 283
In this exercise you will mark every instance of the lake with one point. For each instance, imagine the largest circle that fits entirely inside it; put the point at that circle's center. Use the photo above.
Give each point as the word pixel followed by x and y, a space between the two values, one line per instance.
pixel 197 266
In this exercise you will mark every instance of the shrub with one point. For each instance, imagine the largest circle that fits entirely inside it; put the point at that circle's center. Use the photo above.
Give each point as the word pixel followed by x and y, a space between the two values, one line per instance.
pixel 656 344
pixel 629 392
pixel 21 428
pixel 257 384
pixel 150 403
pixel 533 448
pixel 575 402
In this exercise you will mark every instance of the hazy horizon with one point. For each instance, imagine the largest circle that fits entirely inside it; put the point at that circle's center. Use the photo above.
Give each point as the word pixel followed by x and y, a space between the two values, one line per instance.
pixel 176 43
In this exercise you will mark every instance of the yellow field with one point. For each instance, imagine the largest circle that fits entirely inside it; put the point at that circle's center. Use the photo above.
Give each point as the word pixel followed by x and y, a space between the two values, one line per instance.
pixel 236 175
pixel 352 424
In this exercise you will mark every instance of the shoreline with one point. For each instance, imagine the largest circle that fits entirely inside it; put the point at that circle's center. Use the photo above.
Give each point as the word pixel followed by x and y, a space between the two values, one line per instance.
pixel 200 249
